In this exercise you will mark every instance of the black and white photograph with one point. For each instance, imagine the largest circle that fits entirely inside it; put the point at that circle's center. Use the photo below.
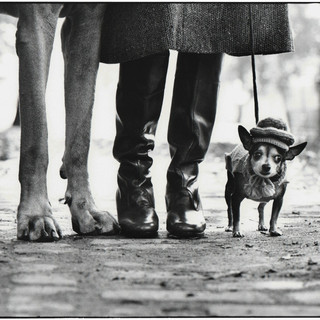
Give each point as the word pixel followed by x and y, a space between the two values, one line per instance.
pixel 159 159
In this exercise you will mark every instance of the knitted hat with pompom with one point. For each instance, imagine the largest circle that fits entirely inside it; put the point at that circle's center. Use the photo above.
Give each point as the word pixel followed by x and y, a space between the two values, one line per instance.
pixel 272 131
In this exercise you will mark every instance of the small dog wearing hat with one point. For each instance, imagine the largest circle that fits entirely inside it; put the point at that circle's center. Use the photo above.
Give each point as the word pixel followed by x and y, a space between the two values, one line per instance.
pixel 257 171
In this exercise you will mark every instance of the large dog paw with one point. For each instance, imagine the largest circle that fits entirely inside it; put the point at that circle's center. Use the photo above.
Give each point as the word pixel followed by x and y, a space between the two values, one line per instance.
pixel 36 224
pixel 262 227
pixel 95 223
pixel 87 220
pixel 238 234
pixel 275 233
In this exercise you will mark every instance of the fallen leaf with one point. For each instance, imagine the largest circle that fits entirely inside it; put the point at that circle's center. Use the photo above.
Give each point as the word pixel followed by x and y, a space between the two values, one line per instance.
pixel 297 254
pixel 287 257
pixel 225 246
pixel 311 262
pixel 235 274
pixel 271 271
pixel 190 295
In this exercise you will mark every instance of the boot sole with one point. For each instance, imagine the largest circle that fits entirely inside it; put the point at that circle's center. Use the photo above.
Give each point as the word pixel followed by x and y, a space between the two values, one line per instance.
pixel 139 234
pixel 187 235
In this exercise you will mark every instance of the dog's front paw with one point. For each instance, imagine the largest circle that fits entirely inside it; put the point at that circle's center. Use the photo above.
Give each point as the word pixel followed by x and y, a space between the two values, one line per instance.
pixel 238 234
pixel 262 227
pixel 87 220
pixel 95 223
pixel 37 224
pixel 228 229
pixel 275 233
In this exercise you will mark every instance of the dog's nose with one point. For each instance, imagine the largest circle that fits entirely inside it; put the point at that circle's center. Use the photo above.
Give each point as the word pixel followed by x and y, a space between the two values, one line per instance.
pixel 266 167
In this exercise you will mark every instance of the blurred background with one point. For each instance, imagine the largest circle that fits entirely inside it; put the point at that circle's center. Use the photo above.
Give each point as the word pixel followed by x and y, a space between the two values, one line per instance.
pixel 288 87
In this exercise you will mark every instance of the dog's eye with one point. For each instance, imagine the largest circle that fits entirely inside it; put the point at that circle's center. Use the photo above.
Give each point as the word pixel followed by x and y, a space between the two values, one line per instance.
pixel 257 156
pixel 277 159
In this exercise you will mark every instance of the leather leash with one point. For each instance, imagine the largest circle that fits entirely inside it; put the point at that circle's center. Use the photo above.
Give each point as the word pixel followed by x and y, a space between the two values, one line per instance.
pixel 253 67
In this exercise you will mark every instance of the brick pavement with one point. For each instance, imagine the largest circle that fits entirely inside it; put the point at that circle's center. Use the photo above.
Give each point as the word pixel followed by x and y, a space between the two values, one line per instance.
pixel 115 276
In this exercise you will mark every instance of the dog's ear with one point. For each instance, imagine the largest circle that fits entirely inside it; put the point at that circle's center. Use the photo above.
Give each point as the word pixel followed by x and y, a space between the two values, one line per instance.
pixel 245 137
pixel 294 151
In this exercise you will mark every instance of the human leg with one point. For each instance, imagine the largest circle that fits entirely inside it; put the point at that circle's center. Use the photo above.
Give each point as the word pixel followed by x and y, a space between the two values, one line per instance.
pixel 139 101
pixel 190 127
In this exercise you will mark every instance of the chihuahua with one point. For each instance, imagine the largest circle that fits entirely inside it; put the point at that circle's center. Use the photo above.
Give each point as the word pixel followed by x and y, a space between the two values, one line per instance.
pixel 256 170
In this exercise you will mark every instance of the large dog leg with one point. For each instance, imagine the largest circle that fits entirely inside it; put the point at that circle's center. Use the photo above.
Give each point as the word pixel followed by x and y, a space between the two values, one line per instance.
pixel 81 48
pixel 35 34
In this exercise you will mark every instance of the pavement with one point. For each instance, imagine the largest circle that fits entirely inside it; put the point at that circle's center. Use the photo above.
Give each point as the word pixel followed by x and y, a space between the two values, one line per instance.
pixel 217 275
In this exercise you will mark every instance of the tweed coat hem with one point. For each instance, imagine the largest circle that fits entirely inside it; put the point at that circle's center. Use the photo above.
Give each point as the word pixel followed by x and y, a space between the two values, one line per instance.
pixel 134 30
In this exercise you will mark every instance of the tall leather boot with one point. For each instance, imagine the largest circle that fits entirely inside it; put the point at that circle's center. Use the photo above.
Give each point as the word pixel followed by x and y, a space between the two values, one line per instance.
pixel 139 101
pixel 190 126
